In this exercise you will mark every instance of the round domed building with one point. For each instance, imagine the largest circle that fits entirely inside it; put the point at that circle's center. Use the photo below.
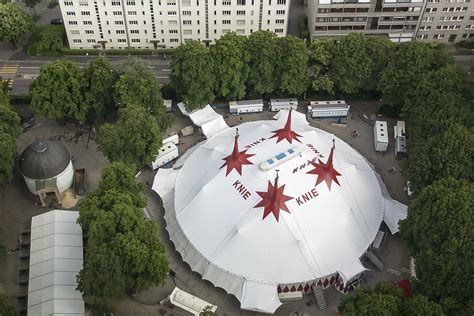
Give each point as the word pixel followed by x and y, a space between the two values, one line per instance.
pixel 275 207
pixel 46 167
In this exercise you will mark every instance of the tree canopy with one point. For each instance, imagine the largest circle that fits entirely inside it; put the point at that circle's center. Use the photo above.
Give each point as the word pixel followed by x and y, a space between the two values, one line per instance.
pixel 230 68
pixel 135 138
pixel 100 79
pixel 292 68
pixel 261 47
pixel 380 51
pixel 407 66
pixel 58 92
pixel 137 85
pixel 386 299
pixel 124 253
pixel 192 75
pixel 351 65
pixel 9 132
pixel 438 231
pixel 6 306
pixel 320 57
pixel 14 22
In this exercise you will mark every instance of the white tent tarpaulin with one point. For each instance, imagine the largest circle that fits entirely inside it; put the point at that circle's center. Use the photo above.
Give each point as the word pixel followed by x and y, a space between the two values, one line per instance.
pixel 56 256
pixel 209 121
pixel 252 235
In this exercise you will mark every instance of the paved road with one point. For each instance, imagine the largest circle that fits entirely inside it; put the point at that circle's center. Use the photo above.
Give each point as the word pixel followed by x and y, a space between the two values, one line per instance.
pixel 22 72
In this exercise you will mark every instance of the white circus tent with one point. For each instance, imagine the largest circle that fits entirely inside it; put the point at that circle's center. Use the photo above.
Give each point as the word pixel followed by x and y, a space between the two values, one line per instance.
pixel 276 206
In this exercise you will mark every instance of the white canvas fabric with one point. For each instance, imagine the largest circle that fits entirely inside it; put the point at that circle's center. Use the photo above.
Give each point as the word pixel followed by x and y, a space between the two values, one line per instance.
pixel 209 121
pixel 223 236
pixel 394 213
pixel 56 257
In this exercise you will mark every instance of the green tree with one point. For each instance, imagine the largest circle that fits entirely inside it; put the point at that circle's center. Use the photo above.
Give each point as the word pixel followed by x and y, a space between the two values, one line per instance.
pixel 46 39
pixel 261 46
pixel 438 231
pixel 32 4
pixel 192 75
pixel 230 71
pixel 6 307
pixel 380 51
pixel 100 79
pixel 291 71
pixel 440 155
pixel 14 23
pixel 58 92
pixel 101 281
pixel 9 121
pixel 432 87
pixel 351 66
pixel 320 57
pixel 419 305
pixel 137 85
pixel 407 66
pixel 7 157
pixel 385 299
pixel 135 139
pixel 124 252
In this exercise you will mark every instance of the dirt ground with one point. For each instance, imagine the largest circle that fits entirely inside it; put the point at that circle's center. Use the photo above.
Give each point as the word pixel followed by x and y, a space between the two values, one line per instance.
pixel 17 206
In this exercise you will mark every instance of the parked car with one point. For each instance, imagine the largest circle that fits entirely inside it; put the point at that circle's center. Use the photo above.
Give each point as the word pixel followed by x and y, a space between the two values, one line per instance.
pixel 57 21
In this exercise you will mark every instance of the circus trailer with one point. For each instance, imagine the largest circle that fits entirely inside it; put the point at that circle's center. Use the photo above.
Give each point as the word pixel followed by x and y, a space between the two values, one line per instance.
pixel 245 106
pixel 283 104
pixel 168 152
pixel 328 109
pixel 380 136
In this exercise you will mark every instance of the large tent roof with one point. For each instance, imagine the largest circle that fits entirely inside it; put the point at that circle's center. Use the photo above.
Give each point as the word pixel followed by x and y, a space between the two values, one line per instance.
pixel 251 232
pixel 55 260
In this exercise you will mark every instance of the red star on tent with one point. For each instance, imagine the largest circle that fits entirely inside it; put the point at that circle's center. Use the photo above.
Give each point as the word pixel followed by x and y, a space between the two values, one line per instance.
pixel 273 200
pixel 325 171
pixel 237 158
pixel 286 132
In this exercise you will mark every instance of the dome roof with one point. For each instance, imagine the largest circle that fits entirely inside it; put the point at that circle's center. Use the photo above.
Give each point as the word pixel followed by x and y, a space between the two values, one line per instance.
pixel 44 159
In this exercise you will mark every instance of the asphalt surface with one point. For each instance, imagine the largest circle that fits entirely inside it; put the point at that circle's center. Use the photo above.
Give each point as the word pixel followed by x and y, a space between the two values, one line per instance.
pixel 22 72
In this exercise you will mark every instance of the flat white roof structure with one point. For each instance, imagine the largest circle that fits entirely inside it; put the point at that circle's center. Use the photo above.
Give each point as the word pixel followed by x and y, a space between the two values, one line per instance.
pixel 168 104
pixel 246 106
pixel 300 225
pixel 56 257
pixel 190 303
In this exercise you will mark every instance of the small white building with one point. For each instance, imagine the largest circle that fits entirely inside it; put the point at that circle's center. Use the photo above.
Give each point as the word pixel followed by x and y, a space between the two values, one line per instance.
pixel 168 152
pixel 283 104
pixel 168 104
pixel 46 167
pixel 245 106
pixel 327 109
pixel 380 136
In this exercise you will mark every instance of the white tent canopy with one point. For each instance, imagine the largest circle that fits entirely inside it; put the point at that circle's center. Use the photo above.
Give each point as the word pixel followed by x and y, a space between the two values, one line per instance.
pixel 214 220
pixel 55 259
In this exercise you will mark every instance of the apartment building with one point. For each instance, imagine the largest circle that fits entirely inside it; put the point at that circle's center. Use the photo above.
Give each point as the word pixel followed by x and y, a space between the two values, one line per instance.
pixel 397 19
pixel 119 24
pixel 447 21
pixel 400 20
